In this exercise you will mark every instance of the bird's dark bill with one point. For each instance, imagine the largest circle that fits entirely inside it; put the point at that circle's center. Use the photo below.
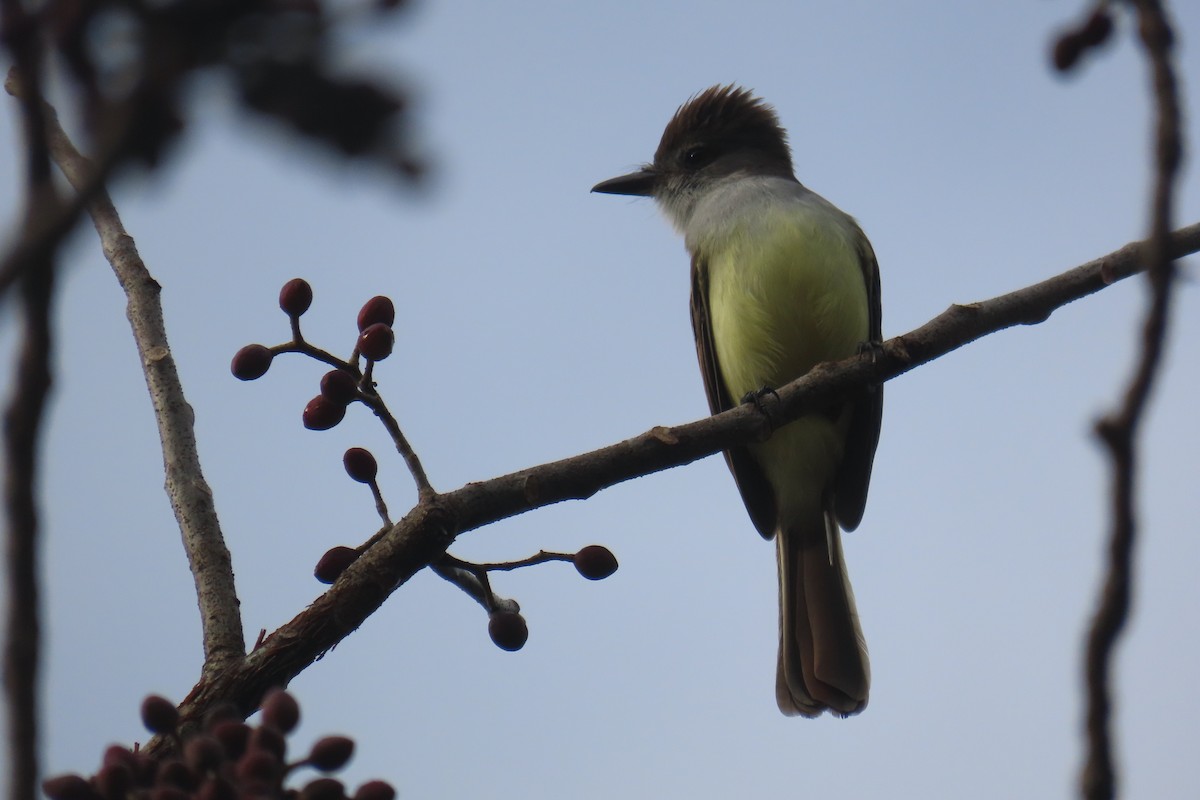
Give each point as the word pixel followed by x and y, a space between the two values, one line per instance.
pixel 640 184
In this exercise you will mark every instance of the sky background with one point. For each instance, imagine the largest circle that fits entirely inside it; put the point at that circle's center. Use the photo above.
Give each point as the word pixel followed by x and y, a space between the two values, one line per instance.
pixel 536 321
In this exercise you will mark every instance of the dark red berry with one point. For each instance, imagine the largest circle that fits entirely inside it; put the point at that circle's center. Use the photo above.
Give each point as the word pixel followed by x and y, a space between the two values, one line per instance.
pixel 68 787
pixel 203 753
pixel 375 790
pixel 251 362
pixel 113 781
pixel 233 736
pixel 167 792
pixel 1097 29
pixel 259 765
pixel 378 309
pixel 1067 50
pixel 339 386
pixel 331 753
pixel 159 714
pixel 334 563
pixel 219 713
pixel 295 297
pixel 323 789
pixel 144 768
pixel 217 788
pixel 269 740
pixel 321 413
pixel 115 754
pixel 508 630
pixel 595 562
pixel 280 711
pixel 360 464
pixel 175 773
pixel 376 341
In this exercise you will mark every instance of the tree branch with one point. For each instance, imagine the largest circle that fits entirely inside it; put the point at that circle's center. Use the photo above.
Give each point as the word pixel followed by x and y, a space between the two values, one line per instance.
pixel 34 274
pixel 1118 430
pixel 190 495
pixel 423 535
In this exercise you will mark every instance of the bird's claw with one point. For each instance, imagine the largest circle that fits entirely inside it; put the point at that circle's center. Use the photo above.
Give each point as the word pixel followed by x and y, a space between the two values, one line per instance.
pixel 760 400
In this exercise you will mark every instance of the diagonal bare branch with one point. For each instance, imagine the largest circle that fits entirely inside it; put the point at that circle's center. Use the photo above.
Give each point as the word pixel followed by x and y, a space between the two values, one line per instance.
pixel 190 495
pixel 423 535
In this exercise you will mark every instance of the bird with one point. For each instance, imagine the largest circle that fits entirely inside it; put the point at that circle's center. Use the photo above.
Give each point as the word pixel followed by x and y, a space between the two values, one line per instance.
pixel 781 280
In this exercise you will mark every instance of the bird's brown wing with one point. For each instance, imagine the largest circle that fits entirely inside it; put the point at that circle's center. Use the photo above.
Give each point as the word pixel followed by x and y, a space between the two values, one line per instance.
pixel 751 482
pixel 854 475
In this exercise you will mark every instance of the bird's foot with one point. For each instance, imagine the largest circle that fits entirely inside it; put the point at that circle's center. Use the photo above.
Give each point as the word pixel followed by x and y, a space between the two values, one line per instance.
pixel 766 400
pixel 871 349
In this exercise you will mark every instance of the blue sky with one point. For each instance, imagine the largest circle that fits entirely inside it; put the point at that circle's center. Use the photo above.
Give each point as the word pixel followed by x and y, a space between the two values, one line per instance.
pixel 536 321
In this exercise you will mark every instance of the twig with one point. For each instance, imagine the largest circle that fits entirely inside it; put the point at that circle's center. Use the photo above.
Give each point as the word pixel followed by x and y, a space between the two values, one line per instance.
pixel 1118 430
pixel 371 399
pixel 541 557
pixel 190 495
pixel 425 490
pixel 422 536
pixel 473 580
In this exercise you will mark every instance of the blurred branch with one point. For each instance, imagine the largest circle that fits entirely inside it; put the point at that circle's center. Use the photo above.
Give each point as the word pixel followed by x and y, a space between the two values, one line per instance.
pixel 34 274
pixel 1118 430
pixel 22 424
pixel 191 497
pixel 422 536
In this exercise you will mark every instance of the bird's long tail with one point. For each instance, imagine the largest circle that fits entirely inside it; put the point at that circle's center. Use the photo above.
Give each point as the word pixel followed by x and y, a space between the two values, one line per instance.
pixel 823 662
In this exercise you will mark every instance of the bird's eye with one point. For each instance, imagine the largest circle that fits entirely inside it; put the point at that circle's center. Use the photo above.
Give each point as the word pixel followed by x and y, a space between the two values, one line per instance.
pixel 696 157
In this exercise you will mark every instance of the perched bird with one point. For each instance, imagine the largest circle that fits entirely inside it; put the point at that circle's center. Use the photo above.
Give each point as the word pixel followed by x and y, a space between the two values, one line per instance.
pixel 781 281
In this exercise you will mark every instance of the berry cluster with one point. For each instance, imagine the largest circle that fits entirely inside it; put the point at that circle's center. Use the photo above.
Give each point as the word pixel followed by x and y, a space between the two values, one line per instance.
pixel 1071 45
pixel 345 383
pixel 227 760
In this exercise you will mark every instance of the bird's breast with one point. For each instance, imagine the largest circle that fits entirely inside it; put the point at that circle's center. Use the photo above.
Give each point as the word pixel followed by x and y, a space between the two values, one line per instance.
pixel 786 292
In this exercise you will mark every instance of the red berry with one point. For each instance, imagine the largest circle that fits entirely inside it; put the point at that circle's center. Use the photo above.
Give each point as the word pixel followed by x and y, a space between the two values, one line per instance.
pixel 508 630
pixel 251 362
pixel 360 465
pixel 375 790
pixel 233 735
pixel 595 562
pixel 1097 29
pixel 321 413
pixel 1067 50
pixel 295 297
pixel 115 754
pixel 164 792
pixel 68 787
pixel 339 386
pixel 259 765
pixel 378 309
pixel 280 711
pixel 203 753
pixel 334 563
pixel 217 788
pixel 113 781
pixel 174 772
pixel 323 789
pixel 376 341
pixel 331 753
pixel 159 714
pixel 268 740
